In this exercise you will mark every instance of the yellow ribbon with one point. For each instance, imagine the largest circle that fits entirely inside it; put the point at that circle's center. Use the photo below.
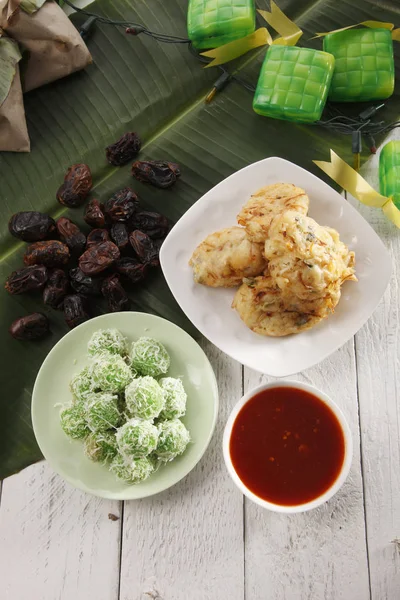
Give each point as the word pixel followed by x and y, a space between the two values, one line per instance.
pixel 370 24
pixel 352 182
pixel 232 50
pixel 396 35
pixel 287 29
pixel 289 32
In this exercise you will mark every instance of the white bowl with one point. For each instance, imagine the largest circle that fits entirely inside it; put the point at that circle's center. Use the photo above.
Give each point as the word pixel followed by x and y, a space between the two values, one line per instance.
pixel 210 310
pixel 348 453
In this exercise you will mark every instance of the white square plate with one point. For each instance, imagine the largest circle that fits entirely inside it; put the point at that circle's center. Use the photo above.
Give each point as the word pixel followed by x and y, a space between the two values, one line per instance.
pixel 209 309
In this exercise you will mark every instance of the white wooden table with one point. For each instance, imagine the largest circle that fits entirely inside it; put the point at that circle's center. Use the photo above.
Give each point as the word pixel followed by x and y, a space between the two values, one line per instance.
pixel 202 540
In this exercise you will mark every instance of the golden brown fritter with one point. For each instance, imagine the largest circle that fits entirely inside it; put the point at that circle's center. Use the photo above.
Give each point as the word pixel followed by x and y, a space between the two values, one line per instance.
pixel 307 260
pixel 225 257
pixel 268 202
pixel 262 308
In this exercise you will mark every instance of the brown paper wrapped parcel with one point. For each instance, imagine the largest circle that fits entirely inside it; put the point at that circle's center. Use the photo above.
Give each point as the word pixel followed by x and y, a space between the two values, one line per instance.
pixel 51 46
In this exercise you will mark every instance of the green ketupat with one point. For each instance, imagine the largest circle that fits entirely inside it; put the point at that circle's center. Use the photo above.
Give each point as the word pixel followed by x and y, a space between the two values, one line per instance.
pixel 389 171
pixel 293 84
pixel 364 64
pixel 212 23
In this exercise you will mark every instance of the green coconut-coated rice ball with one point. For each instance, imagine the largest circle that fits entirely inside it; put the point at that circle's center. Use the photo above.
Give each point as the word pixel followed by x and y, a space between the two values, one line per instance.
pixel 144 398
pixel 73 422
pixel 132 471
pixel 175 398
pixel 81 385
pixel 149 357
pixel 110 372
pixel 108 340
pixel 102 412
pixel 137 438
pixel 101 447
pixel 172 439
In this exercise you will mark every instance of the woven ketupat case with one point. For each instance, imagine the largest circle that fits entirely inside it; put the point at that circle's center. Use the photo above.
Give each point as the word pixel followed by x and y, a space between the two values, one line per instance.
pixel 364 65
pixel 293 83
pixel 389 171
pixel 212 23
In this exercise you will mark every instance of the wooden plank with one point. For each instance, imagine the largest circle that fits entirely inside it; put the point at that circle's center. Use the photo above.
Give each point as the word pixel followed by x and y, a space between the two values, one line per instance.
pixel 56 542
pixel 378 356
pixel 188 541
pixel 319 555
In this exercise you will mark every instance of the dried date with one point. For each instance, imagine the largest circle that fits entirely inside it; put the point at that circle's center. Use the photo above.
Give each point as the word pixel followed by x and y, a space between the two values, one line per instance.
pixel 30 327
pixel 71 235
pixel 122 151
pixel 75 310
pixel 31 226
pixel 98 257
pixel 152 223
pixel 114 293
pixel 120 236
pixel 76 187
pixel 97 236
pixel 27 279
pixel 144 248
pixel 56 289
pixel 131 269
pixel 121 206
pixel 85 284
pixel 160 173
pixel 51 254
pixel 94 215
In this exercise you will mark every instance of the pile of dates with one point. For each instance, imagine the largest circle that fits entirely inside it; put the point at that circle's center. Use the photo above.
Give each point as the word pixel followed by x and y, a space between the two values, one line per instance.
pixel 69 266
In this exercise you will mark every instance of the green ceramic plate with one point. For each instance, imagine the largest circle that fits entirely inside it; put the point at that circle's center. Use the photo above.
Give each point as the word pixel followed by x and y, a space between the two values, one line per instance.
pixel 52 389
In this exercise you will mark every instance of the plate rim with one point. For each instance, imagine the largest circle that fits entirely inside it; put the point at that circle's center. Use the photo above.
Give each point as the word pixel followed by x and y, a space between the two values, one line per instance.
pixel 104 493
pixel 352 331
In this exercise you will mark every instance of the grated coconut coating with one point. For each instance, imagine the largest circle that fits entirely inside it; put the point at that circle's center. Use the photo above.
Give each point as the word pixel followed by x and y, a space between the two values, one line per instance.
pixel 132 471
pixel 101 447
pixel 172 440
pixel 81 385
pixel 110 372
pixel 137 438
pixel 108 340
pixel 73 422
pixel 144 398
pixel 175 398
pixel 102 412
pixel 149 357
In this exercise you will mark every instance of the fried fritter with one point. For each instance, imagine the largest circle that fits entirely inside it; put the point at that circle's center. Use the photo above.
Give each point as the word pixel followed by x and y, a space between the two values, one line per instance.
pixel 268 202
pixel 262 308
pixel 307 260
pixel 225 257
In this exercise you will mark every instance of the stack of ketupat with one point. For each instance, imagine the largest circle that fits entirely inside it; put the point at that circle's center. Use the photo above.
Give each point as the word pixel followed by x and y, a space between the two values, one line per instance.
pixel 290 269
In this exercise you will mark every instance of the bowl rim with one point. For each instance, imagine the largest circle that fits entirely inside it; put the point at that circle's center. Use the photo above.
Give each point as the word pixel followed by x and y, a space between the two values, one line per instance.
pixel 105 493
pixel 344 471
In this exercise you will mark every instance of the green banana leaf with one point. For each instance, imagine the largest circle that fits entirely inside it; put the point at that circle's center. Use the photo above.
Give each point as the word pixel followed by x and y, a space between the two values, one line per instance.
pixel 158 90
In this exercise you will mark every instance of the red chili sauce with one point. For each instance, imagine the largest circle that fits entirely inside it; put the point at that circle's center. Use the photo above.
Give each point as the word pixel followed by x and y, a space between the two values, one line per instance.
pixel 287 446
